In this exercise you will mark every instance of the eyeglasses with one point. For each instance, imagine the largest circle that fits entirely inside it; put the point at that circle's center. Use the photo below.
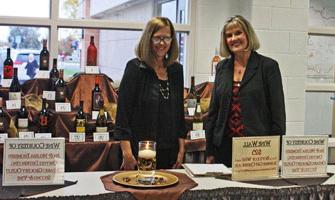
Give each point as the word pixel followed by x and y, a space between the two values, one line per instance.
pixel 158 39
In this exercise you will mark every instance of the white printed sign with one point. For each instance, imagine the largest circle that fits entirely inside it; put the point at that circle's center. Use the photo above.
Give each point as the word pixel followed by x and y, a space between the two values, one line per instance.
pixel 62 107
pixel 77 137
pixel 49 95
pixel 198 134
pixel 43 135
pixel 26 135
pixel 6 82
pixel 255 158
pixel 100 136
pixel 3 136
pixel 13 104
pixel 304 156
pixel 33 161
pixel 92 69
pixel 43 74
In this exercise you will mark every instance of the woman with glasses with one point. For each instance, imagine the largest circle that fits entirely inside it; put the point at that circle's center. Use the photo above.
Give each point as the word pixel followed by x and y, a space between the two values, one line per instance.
pixel 150 101
pixel 247 98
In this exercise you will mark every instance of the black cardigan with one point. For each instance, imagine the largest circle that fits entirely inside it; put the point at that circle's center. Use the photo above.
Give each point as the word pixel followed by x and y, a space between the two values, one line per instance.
pixel 138 104
pixel 261 98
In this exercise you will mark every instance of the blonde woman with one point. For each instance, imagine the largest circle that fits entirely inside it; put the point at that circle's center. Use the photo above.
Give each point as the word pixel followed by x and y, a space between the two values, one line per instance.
pixel 150 103
pixel 247 98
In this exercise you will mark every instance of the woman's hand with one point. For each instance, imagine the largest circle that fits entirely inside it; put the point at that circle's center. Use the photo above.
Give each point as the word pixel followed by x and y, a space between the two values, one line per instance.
pixel 210 159
pixel 179 161
pixel 128 163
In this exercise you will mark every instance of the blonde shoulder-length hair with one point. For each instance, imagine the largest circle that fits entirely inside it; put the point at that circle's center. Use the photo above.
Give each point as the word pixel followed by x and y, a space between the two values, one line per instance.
pixel 240 22
pixel 144 50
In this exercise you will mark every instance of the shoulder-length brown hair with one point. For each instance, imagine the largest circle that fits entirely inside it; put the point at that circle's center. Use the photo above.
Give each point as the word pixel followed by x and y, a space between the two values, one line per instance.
pixel 144 51
pixel 241 22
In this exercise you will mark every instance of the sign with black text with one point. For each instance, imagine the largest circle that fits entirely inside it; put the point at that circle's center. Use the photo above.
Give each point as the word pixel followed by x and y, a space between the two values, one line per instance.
pixel 33 161
pixel 255 158
pixel 304 156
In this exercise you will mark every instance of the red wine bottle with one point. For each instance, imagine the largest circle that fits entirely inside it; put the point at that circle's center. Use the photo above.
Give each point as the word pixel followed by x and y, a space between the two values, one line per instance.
pixel 44 118
pixel 15 88
pixel 91 54
pixel 44 57
pixel 8 64
pixel 80 119
pixel 60 87
pixel 22 118
pixel 54 75
pixel 96 95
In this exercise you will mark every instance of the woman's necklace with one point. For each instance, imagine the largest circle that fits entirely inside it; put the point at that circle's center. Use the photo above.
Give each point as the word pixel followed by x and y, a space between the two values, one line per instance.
pixel 165 91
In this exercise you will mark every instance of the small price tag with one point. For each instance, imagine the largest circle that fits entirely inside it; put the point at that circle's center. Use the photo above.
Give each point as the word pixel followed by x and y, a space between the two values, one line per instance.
pixel 6 82
pixel 63 107
pixel 49 95
pixel 77 137
pixel 13 104
pixel 191 111
pixel 198 134
pixel 43 135
pixel 3 136
pixel 26 135
pixel 43 74
pixel 100 137
pixel 95 114
pixel 92 70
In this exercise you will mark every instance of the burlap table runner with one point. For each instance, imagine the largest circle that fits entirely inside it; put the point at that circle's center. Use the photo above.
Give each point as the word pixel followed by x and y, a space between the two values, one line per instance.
pixel 170 193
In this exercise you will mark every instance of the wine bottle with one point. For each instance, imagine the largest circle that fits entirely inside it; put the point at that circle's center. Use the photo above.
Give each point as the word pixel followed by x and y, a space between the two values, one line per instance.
pixel 54 75
pixel 96 95
pixel 2 117
pixel 44 118
pixel 215 60
pixel 197 119
pixel 8 66
pixel 22 118
pixel 15 88
pixel 191 98
pixel 80 119
pixel 60 87
pixel 101 123
pixel 91 53
pixel 44 57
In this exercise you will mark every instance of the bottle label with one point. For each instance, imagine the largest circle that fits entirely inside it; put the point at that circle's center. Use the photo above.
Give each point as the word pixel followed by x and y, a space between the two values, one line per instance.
pixel 14 95
pixel 23 123
pixel 60 94
pixel 191 103
pixel 96 100
pixel 80 125
pixel 197 126
pixel 8 71
pixel 44 63
pixel 43 120
pixel 101 129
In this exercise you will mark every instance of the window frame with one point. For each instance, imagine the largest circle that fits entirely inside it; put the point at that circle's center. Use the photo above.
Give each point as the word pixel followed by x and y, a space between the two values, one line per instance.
pixel 53 23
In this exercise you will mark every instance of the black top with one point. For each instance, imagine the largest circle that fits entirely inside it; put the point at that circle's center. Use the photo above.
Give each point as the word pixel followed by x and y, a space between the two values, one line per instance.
pixel 166 138
pixel 140 107
pixel 261 98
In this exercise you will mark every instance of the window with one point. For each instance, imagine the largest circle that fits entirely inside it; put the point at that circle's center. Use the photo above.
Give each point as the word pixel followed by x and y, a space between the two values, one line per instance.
pixel 31 8
pixel 116 25
pixel 319 110
pixel 124 10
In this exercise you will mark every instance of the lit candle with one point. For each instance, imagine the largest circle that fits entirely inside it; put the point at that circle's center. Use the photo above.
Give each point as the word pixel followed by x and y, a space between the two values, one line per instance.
pixel 147 153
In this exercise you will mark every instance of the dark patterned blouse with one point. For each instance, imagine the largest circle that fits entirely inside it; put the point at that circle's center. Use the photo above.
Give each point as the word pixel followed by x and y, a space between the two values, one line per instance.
pixel 235 124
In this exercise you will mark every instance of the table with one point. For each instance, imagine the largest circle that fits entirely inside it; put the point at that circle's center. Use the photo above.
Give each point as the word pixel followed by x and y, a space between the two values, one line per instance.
pixel 106 156
pixel 206 186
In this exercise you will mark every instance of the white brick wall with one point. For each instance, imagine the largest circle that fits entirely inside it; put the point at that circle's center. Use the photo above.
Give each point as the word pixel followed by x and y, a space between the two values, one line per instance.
pixel 282 29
